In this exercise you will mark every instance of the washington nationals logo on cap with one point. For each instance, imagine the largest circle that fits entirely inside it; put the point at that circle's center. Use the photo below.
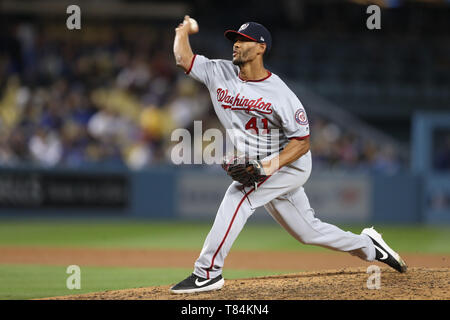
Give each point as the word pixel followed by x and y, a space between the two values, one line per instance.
pixel 252 31
pixel 243 27
pixel 300 117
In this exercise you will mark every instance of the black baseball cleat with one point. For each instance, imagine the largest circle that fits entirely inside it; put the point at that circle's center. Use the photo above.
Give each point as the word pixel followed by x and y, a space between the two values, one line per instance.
pixel 195 283
pixel 383 252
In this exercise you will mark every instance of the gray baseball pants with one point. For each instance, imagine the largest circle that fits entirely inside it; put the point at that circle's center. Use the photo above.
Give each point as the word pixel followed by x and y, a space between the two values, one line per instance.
pixel 284 197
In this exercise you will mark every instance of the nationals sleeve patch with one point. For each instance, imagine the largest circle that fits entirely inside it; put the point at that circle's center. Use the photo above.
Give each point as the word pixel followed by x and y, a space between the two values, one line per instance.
pixel 300 117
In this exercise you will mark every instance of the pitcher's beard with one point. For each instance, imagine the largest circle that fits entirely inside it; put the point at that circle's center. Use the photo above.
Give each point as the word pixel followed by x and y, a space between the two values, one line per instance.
pixel 238 62
pixel 240 59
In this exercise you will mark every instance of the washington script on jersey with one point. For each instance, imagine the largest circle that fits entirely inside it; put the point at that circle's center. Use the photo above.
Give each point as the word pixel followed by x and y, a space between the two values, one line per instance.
pixel 243 103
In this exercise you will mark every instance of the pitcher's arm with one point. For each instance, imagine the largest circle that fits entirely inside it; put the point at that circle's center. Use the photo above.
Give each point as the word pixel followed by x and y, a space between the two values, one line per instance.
pixel 181 47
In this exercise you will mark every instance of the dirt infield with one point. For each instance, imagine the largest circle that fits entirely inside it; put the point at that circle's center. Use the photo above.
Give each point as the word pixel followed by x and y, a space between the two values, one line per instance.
pixel 243 260
pixel 345 284
pixel 345 277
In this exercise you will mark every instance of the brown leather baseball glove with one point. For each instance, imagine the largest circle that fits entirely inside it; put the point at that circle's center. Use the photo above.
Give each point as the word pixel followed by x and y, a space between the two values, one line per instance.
pixel 244 170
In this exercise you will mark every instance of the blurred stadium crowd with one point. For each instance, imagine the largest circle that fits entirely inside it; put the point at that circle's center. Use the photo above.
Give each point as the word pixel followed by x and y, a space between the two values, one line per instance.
pixel 112 97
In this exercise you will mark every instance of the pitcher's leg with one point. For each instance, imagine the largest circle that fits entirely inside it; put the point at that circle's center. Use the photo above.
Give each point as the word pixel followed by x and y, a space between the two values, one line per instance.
pixel 230 219
pixel 294 213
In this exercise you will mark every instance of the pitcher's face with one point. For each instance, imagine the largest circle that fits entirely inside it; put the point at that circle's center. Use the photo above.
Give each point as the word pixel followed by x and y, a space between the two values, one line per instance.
pixel 246 50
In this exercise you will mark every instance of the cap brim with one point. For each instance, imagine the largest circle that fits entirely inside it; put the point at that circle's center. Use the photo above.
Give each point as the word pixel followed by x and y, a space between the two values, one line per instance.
pixel 231 35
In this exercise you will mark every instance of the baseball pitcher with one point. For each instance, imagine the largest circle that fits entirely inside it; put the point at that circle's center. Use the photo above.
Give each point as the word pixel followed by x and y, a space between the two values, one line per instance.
pixel 275 159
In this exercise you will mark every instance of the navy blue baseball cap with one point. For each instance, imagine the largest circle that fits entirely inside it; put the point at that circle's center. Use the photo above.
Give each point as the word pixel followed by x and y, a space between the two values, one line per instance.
pixel 252 31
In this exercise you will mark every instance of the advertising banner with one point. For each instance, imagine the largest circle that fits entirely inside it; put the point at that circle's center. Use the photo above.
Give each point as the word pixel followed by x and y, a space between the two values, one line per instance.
pixel 36 189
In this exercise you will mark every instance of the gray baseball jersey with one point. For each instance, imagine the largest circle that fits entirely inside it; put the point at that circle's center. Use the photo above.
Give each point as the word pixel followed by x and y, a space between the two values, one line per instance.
pixel 267 114
pixel 260 115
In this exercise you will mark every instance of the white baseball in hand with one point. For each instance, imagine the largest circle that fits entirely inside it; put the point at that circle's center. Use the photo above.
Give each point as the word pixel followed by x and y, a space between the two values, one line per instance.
pixel 193 26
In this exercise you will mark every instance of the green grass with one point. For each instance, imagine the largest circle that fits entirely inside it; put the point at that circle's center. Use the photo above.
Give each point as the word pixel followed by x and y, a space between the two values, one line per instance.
pixel 33 281
pixel 165 235
pixel 18 282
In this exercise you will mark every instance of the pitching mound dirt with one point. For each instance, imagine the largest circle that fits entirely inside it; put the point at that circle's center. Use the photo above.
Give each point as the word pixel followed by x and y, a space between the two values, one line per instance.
pixel 343 284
